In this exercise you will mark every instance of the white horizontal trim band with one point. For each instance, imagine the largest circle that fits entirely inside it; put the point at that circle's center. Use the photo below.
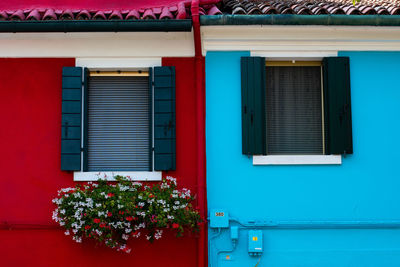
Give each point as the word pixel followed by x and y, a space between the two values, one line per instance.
pixel 297 159
pixel 109 176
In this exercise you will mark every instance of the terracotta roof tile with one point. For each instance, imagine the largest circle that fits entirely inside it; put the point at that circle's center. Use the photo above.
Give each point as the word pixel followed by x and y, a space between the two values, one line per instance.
pixel 310 7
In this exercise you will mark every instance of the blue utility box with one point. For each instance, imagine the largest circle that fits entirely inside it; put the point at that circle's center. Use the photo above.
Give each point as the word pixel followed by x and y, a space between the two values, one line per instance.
pixel 219 219
pixel 234 233
pixel 255 242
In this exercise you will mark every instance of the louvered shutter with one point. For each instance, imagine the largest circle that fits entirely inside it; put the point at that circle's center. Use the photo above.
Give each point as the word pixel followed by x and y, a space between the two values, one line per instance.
pixel 337 106
pixel 253 105
pixel 164 119
pixel 71 119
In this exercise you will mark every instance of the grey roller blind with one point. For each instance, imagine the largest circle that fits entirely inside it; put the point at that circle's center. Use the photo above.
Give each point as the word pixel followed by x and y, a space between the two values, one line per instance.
pixel 293 110
pixel 118 124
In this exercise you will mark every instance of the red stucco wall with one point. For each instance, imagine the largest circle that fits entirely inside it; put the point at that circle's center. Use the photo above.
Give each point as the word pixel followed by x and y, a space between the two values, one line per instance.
pixel 30 117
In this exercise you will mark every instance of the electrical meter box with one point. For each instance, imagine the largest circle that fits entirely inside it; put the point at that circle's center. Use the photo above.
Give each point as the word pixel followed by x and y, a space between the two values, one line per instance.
pixel 219 219
pixel 255 242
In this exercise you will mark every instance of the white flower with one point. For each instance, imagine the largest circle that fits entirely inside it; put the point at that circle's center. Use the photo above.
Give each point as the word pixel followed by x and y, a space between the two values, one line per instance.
pixel 176 202
pixel 66 232
pixel 158 234
pixel 125 237
pixel 170 217
pixel 77 239
pixel 173 180
pixel 141 204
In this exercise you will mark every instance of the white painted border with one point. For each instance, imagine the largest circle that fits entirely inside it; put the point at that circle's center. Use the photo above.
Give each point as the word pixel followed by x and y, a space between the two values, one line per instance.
pixel 109 176
pixel 118 63
pixel 293 55
pixel 297 160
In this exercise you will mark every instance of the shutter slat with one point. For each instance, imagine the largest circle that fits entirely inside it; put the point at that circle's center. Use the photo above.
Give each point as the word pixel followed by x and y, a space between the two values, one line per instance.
pixel 164 119
pixel 253 105
pixel 337 105
pixel 118 124
pixel 71 119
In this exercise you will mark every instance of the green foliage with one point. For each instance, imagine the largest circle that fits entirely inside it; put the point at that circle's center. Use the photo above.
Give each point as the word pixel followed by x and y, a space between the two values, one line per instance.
pixel 356 1
pixel 112 213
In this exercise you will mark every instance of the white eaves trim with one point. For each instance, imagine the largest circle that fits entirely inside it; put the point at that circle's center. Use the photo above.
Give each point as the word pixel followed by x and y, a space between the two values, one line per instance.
pixel 109 176
pixel 282 39
pixel 297 160
pixel 97 44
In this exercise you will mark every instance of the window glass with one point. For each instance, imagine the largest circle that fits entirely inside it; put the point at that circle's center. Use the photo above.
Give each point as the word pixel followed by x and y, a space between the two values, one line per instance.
pixel 293 110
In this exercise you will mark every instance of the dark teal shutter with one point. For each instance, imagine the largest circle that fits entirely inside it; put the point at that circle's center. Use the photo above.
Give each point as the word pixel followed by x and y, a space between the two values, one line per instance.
pixel 85 123
pixel 253 106
pixel 164 119
pixel 71 119
pixel 150 119
pixel 337 106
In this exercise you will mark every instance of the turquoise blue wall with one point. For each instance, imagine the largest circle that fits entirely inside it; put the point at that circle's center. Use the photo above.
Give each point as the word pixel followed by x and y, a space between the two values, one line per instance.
pixel 365 187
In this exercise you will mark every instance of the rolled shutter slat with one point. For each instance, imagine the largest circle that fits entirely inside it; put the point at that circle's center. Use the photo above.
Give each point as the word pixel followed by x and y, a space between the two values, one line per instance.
pixel 337 106
pixel 118 124
pixel 71 119
pixel 164 119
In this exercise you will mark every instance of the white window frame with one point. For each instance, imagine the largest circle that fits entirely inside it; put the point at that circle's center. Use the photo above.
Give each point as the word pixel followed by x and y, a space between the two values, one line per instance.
pixel 123 64
pixel 295 159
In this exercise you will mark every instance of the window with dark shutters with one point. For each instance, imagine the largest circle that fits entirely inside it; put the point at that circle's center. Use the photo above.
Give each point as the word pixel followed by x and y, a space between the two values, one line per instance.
pixel 299 116
pixel 125 116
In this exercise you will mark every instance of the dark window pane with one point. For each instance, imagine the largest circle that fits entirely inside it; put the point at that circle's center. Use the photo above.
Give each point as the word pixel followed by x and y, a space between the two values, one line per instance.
pixel 293 106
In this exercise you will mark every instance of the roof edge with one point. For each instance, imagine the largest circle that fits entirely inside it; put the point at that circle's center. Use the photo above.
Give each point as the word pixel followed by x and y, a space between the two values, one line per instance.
pixel 289 19
pixel 183 25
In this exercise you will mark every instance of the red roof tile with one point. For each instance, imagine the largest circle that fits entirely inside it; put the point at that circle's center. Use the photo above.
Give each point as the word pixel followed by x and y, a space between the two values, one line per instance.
pixel 176 11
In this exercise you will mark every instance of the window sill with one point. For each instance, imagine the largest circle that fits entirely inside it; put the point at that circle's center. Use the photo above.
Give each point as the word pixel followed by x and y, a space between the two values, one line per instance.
pixel 297 160
pixel 109 176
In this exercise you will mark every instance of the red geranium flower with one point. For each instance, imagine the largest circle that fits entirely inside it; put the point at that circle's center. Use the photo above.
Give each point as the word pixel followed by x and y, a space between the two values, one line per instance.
pixel 129 218
pixel 110 194
pixel 102 225
pixel 87 227
pixel 96 220
pixel 175 225
pixel 121 212
pixel 109 214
